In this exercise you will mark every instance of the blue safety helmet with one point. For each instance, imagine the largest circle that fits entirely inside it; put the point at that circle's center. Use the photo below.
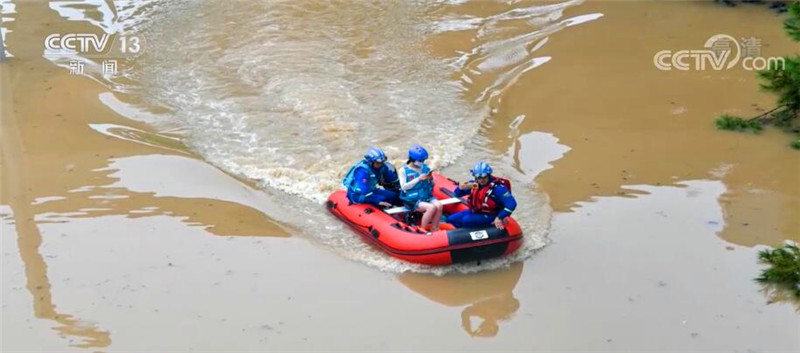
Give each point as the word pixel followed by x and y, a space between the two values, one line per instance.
pixel 417 152
pixel 481 169
pixel 375 154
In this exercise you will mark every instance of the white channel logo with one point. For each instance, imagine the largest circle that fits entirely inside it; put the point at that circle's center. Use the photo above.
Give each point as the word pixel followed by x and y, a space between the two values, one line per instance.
pixel 722 52
pixel 89 43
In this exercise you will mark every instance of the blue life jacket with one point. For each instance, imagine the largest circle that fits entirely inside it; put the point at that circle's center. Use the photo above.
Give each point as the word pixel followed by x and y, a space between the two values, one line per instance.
pixel 349 180
pixel 422 190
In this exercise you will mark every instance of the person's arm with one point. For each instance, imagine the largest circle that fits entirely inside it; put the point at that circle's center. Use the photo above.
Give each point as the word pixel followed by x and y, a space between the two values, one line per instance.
pixel 460 192
pixel 465 191
pixel 405 185
pixel 509 203
pixel 360 176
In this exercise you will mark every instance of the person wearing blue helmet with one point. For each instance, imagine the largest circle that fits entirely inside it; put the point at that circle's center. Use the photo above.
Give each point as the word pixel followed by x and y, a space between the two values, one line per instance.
pixel 490 199
pixel 372 180
pixel 416 187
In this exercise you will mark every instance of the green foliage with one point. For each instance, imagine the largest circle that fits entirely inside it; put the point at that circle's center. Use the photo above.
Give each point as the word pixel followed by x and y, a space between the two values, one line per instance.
pixel 784 81
pixel 792 25
pixel 735 123
pixel 796 143
pixel 784 270
pixel 777 5
pixel 783 118
pixel 781 78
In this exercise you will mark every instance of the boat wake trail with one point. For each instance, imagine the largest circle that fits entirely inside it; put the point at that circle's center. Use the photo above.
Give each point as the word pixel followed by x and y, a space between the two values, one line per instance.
pixel 289 94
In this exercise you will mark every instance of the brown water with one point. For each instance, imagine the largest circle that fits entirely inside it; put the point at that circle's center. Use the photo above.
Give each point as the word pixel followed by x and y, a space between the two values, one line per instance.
pixel 120 233
pixel 630 124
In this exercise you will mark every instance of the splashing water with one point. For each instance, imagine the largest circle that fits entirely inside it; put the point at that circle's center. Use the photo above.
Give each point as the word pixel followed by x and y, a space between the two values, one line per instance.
pixel 289 94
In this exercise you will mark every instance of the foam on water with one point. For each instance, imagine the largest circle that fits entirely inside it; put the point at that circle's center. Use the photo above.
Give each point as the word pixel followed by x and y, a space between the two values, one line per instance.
pixel 299 91
pixel 290 93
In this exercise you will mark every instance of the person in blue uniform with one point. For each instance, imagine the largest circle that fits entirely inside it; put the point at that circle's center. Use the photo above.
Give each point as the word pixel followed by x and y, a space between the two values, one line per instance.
pixel 416 188
pixel 372 180
pixel 490 199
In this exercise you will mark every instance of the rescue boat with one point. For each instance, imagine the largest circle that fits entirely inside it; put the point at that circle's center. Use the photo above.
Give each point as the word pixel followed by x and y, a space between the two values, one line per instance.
pixel 391 233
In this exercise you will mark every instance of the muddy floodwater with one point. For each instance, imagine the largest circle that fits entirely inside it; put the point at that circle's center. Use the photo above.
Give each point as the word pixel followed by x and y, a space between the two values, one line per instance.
pixel 175 204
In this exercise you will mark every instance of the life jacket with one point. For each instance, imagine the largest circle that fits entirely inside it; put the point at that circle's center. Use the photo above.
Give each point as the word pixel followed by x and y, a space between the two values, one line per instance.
pixel 480 198
pixel 349 179
pixel 422 190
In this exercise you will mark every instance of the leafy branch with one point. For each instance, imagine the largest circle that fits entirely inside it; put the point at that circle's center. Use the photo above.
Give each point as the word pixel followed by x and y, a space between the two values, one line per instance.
pixel 782 78
pixel 784 270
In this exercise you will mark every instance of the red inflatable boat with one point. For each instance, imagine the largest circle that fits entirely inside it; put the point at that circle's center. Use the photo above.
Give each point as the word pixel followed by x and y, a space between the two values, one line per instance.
pixel 407 242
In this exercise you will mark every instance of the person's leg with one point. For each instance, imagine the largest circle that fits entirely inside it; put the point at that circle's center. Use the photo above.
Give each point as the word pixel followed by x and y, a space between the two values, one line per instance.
pixel 477 219
pixel 457 219
pixel 429 210
pixel 437 216
pixel 377 199
pixel 388 196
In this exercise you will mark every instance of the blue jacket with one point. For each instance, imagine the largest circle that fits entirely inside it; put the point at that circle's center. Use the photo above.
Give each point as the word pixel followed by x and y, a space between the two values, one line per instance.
pixel 500 195
pixel 362 179
pixel 422 190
